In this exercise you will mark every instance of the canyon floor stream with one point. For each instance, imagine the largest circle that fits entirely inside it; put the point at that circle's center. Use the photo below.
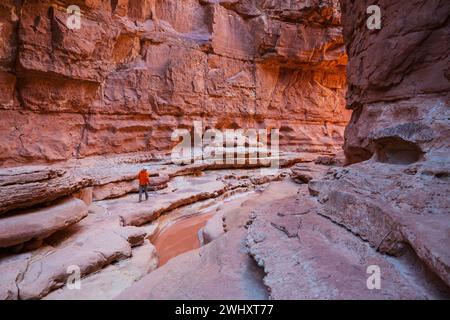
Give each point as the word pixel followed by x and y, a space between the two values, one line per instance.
pixel 180 237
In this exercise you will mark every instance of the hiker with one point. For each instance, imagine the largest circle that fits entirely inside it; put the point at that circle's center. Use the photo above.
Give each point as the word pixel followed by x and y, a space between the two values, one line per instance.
pixel 143 183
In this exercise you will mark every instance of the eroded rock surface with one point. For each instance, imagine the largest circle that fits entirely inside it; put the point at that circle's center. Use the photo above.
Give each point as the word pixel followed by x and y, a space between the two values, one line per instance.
pixel 120 84
pixel 83 110
pixel 110 254
pixel 397 193
pixel 303 254
pixel 202 273
pixel 306 256
pixel 37 225
pixel 112 280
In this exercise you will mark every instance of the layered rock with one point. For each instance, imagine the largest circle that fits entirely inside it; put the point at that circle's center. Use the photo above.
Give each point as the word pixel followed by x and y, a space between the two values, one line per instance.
pixel 398 82
pixel 106 178
pixel 306 256
pixel 50 271
pixel 30 185
pixel 119 84
pixel 391 209
pixel 181 192
pixel 112 280
pixel 303 255
pixel 71 99
pixel 396 198
pixel 88 246
pixel 133 73
pixel 36 225
pixel 28 192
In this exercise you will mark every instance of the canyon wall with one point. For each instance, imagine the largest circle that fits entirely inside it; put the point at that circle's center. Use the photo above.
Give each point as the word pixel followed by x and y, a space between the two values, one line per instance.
pixel 136 70
pixel 395 193
pixel 399 81
pixel 122 83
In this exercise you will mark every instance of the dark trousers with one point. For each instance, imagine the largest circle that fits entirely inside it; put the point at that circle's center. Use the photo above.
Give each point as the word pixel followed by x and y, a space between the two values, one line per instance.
pixel 143 189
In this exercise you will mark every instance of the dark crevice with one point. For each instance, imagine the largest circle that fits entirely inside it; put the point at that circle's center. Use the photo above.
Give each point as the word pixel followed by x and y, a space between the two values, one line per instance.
pixel 395 150
pixel 114 5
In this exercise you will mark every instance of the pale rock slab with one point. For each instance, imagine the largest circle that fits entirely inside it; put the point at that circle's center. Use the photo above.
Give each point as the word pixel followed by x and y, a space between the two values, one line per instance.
pixel 306 256
pixel 38 224
pixel 49 271
pixel 107 283
pixel 202 273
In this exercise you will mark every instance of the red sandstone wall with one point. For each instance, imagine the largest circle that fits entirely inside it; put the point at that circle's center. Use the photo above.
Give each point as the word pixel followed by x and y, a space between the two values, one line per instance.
pixel 118 86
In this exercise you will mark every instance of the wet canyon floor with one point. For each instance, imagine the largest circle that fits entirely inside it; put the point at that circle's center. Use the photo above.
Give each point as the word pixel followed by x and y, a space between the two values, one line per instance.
pixel 183 229
pixel 180 237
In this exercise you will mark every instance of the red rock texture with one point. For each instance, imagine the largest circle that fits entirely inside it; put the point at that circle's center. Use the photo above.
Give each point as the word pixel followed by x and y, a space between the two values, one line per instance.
pixel 303 255
pixel 306 256
pixel 39 224
pixel 398 78
pixel 137 70
pixel 396 196
pixel 181 237
pixel 121 84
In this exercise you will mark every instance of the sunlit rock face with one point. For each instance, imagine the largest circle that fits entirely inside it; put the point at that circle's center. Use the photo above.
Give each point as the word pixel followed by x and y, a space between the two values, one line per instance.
pixel 135 70
pixel 122 83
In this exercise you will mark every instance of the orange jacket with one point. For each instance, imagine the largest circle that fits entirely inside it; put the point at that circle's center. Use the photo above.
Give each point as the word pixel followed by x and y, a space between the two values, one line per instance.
pixel 143 178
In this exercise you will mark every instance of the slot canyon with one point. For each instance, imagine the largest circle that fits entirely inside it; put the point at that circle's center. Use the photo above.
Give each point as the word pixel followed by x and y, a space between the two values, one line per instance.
pixel 363 148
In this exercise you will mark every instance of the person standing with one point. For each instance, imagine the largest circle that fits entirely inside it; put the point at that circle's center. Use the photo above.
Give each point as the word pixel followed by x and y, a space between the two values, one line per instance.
pixel 144 180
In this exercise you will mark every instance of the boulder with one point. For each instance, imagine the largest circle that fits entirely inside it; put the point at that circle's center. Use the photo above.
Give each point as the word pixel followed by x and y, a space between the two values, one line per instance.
pixel 38 224
pixel 50 271
pixel 112 280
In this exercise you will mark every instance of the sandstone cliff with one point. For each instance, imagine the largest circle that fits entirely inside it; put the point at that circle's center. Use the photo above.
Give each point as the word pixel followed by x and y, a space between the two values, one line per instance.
pixel 399 82
pixel 396 195
pixel 389 208
pixel 83 110
pixel 120 84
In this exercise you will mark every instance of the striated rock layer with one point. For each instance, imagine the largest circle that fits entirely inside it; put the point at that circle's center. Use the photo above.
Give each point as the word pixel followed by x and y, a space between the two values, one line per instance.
pixel 83 109
pixel 399 82
pixel 390 207
pixel 134 72
pixel 122 83
pixel 39 224
pixel 396 196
